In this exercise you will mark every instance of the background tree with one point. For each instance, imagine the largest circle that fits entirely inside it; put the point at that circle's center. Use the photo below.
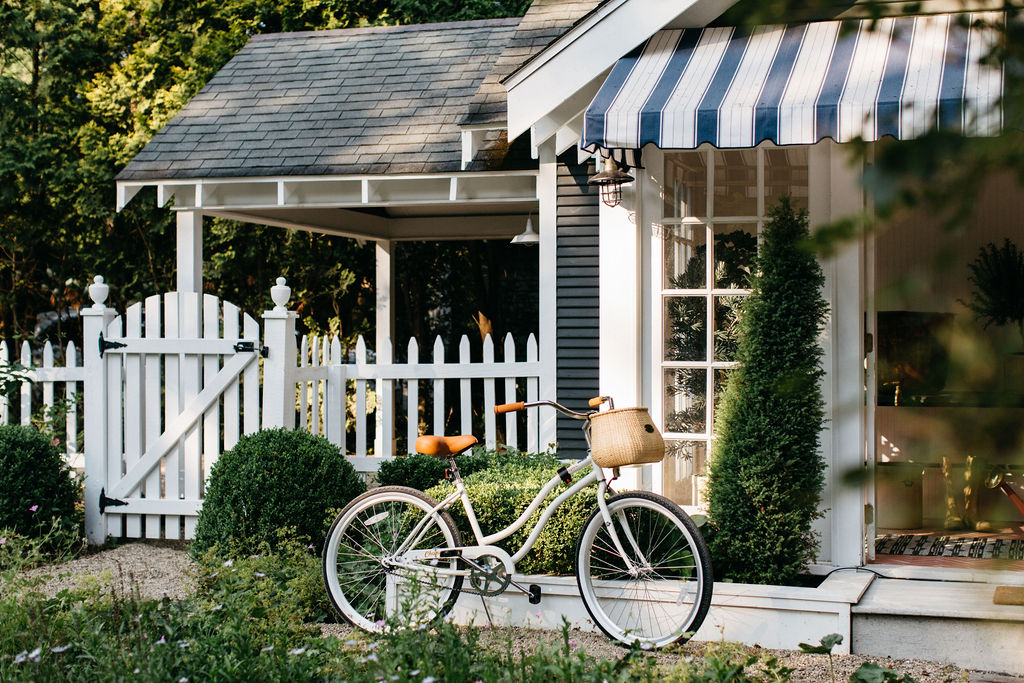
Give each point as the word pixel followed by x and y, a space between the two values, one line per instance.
pixel 766 474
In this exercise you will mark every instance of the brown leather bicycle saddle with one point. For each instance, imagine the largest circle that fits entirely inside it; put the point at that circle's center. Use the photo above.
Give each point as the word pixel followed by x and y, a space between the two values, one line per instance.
pixel 444 446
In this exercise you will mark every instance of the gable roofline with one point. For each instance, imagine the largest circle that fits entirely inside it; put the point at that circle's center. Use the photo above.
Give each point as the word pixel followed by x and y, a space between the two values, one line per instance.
pixel 553 87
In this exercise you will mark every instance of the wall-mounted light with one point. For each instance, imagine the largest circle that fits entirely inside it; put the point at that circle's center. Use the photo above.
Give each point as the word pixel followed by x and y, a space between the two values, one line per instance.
pixel 610 182
pixel 528 237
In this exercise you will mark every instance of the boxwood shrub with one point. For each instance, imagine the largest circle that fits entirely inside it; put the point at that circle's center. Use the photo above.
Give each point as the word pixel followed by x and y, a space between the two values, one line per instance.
pixel 36 485
pixel 501 492
pixel 425 471
pixel 271 480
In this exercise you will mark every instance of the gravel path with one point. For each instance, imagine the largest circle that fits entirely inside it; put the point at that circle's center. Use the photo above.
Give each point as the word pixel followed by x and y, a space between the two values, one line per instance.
pixel 165 569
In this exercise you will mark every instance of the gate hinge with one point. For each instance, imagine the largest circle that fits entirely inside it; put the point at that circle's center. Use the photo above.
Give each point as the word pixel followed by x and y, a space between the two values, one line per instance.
pixel 106 502
pixel 250 347
pixel 106 344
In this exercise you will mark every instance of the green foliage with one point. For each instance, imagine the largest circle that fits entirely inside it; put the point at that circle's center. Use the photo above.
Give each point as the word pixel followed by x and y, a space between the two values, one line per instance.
pixel 502 492
pixel 824 647
pixel 726 662
pixel 870 672
pixel 426 471
pixel 766 475
pixel 425 11
pixel 271 480
pixel 36 485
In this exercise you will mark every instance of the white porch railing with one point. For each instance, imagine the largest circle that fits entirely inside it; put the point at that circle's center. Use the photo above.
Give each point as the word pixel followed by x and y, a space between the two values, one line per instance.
pixel 48 377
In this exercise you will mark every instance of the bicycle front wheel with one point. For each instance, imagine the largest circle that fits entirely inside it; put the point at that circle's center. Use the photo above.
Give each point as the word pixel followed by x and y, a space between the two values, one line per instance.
pixel 369 579
pixel 648 577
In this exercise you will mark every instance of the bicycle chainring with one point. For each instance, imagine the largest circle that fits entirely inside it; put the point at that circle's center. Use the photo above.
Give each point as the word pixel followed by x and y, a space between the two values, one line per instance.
pixel 491 581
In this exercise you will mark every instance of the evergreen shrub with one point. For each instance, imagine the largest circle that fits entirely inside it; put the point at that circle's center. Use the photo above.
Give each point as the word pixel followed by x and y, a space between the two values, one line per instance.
pixel 426 471
pixel 502 492
pixel 37 487
pixel 766 473
pixel 272 480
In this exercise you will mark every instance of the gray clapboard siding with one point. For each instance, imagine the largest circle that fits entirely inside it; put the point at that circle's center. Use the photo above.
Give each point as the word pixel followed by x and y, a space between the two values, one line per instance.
pixel 577 311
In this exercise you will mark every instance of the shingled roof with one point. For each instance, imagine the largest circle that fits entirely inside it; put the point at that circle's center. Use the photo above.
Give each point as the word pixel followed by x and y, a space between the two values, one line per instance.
pixel 545 21
pixel 355 101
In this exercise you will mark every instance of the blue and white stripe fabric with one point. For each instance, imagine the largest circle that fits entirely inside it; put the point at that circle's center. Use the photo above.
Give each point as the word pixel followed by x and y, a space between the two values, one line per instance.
pixel 798 84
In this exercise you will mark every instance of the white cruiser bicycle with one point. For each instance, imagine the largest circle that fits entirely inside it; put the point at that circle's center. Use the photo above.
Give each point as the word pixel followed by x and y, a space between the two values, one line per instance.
pixel 642 567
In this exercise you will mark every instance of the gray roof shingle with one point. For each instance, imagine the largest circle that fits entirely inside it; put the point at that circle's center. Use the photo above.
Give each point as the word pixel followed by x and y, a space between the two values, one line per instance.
pixel 545 21
pixel 355 101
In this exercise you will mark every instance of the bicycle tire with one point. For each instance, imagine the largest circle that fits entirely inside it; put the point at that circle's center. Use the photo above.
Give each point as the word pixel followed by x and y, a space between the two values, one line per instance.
pixel 662 604
pixel 359 545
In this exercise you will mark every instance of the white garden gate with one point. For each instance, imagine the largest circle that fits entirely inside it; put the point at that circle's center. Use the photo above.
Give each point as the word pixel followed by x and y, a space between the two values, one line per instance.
pixel 180 384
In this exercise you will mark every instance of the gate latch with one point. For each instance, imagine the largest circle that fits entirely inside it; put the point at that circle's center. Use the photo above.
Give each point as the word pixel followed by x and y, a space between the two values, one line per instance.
pixel 106 344
pixel 106 502
pixel 249 347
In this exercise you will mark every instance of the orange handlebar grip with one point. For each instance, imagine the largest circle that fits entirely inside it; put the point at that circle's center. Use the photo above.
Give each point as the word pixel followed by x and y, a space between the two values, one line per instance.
pixel 509 407
pixel 596 401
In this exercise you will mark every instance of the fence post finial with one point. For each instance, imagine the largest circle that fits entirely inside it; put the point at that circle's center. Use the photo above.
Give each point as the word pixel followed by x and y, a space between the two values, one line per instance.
pixel 98 291
pixel 280 293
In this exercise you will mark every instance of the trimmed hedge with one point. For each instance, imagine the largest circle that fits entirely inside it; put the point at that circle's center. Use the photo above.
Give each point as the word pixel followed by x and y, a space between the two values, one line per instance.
pixel 36 484
pixel 274 479
pixel 501 492
pixel 425 471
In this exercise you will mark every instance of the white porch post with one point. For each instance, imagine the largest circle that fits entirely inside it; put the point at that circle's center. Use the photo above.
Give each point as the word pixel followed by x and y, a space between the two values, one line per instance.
pixel 835 192
pixel 384 285
pixel 547 222
pixel 94 323
pixel 279 365
pixel 190 251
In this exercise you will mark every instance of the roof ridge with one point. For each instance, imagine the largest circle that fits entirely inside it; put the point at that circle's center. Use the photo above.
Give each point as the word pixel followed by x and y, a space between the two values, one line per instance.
pixel 393 28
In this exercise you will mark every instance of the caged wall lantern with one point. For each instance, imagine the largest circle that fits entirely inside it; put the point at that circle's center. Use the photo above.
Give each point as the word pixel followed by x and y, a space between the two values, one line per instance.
pixel 610 182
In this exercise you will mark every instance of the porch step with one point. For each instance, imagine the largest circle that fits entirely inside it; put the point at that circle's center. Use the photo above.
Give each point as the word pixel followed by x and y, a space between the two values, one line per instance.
pixel 945 621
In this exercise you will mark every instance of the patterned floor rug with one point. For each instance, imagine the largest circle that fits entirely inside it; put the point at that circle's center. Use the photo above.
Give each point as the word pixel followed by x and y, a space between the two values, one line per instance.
pixel 950 546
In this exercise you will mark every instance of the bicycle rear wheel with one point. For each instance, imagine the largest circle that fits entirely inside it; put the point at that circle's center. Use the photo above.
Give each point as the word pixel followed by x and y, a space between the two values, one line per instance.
pixel 368 580
pixel 659 591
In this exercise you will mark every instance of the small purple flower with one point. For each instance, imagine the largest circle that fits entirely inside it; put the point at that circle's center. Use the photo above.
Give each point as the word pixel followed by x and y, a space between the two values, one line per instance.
pixel 268 648
pixel 33 508
pixel 57 649
pixel 162 641
pixel 3 540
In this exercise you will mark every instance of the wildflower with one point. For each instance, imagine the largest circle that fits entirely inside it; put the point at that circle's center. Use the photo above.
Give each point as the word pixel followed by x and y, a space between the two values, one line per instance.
pixel 414 672
pixel 3 540
pixel 646 646
pixel 379 623
pixel 537 614
pixel 371 658
pixel 429 679
pixel 229 563
pixel 310 546
pixel 21 657
pixel 572 644
pixel 218 608
pixel 136 671
pixel 259 575
pixel 57 649
pixel 297 651
pixel 34 655
pixel 162 641
pixel 182 680
pixel 393 678
pixel 183 644
pixel 350 642
pixel 33 508
pixel 268 648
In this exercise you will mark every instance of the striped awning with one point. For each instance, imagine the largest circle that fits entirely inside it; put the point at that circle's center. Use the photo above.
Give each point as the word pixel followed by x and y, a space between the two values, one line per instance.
pixel 801 83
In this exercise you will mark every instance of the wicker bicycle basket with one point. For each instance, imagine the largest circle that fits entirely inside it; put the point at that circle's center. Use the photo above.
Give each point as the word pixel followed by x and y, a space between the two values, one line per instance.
pixel 625 436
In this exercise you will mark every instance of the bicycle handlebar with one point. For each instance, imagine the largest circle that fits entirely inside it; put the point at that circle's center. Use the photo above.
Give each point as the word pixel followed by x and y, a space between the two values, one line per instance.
pixel 509 407
pixel 521 405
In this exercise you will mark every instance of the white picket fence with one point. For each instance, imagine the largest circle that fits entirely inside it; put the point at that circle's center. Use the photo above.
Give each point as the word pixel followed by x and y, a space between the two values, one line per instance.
pixel 49 378
pixel 382 393
pixel 176 380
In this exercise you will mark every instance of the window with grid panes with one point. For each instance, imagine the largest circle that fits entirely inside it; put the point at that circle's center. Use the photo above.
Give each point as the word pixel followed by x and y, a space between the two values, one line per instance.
pixel 713 210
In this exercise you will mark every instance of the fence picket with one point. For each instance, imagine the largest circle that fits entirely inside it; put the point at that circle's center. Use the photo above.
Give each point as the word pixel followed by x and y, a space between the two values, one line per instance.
pixel 335 410
pixel 134 408
pixel 173 406
pixel 490 437
pixel 71 395
pixel 190 387
pixel 26 387
pixel 47 386
pixel 211 366
pixel 5 360
pixel 314 398
pixel 232 409
pixel 361 401
pixel 438 388
pixel 303 362
pixel 511 419
pixel 385 405
pixel 465 390
pixel 251 379
pixel 412 414
pixel 151 487
pixel 532 394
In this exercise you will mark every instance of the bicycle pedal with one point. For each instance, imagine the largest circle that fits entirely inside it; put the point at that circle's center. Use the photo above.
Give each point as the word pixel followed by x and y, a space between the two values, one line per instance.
pixel 534 594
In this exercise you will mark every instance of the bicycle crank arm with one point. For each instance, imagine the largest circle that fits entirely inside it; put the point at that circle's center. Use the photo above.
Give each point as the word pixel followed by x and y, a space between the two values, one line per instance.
pixel 469 552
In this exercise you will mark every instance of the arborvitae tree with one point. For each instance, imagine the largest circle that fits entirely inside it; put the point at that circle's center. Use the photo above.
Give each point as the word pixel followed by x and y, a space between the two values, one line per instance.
pixel 766 473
